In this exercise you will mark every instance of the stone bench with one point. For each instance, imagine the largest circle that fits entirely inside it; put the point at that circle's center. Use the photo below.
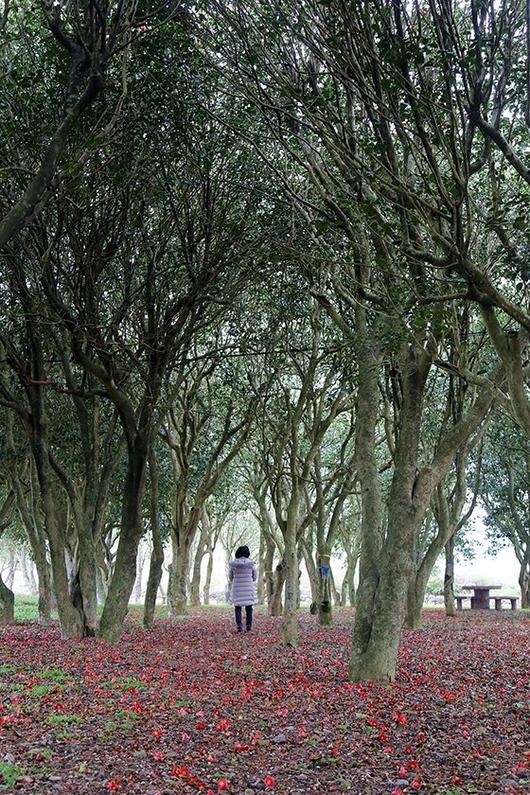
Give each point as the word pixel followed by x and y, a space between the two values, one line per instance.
pixel 459 599
pixel 498 601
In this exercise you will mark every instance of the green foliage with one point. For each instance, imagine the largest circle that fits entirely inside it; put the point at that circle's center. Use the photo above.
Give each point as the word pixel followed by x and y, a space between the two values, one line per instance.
pixel 10 773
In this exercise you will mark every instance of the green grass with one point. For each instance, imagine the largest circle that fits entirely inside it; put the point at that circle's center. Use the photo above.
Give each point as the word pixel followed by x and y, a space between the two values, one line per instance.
pixel 39 691
pixel 10 773
pixel 27 608
pixel 60 719
pixel 128 682
pixel 124 720
pixel 55 674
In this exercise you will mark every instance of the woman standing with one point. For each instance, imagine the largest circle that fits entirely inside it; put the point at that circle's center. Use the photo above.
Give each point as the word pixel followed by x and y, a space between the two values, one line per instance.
pixel 242 574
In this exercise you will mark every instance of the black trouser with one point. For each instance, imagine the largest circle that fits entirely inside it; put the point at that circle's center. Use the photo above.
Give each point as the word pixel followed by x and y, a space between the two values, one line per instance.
pixel 239 617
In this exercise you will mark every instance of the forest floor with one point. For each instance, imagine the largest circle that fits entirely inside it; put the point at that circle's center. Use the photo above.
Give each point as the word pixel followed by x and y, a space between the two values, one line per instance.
pixel 190 707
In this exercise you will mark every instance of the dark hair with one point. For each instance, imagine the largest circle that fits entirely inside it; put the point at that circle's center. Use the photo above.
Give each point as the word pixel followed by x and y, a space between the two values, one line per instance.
pixel 242 552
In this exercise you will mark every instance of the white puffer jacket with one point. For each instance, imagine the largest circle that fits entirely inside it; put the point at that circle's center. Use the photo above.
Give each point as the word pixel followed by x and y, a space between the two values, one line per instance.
pixel 242 574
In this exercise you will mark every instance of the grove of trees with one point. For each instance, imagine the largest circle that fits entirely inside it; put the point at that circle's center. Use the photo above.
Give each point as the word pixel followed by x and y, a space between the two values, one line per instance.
pixel 267 257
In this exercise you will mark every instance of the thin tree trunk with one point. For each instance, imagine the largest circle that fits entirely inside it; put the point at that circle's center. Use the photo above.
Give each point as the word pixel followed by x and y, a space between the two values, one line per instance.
pixel 334 590
pixel 12 569
pixel 345 585
pixel 289 627
pixel 524 582
pixel 325 607
pixel 260 588
pixel 352 594
pixel 311 571
pixel 449 578
pixel 157 554
pixel 208 579
pixel 137 590
pixel 268 574
pixel 276 605
pixel 371 518
pixel 202 546
pixel 26 567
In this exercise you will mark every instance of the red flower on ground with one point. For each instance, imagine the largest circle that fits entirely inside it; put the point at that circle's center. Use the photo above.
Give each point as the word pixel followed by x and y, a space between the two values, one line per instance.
pixel 269 781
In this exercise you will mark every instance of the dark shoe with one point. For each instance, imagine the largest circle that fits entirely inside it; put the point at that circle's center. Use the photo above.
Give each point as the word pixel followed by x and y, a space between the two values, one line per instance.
pixel 240 629
pixel 249 629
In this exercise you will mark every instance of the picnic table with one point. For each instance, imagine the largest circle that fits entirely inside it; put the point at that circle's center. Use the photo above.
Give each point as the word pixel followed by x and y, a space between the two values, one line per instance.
pixel 481 596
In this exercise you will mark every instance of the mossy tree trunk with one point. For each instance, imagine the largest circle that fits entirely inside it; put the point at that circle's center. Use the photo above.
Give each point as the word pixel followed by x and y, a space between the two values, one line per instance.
pixel 131 530
pixel 375 648
pixel 289 626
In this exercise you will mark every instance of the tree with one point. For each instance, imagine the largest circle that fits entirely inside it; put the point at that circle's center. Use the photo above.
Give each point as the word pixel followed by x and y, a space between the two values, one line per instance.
pixel 95 40
pixel 506 494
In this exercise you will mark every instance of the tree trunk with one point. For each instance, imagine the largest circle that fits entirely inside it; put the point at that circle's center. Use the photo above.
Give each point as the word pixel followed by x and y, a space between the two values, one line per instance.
pixel 289 627
pixel 208 580
pixel 416 596
pixel 324 605
pixel 268 574
pixel 524 582
pixel 11 569
pixel 86 577
pixel 344 586
pixel 311 572
pixel 449 578
pixel 177 595
pixel 137 590
pixel 31 519
pixel 102 574
pixel 157 554
pixel 352 595
pixel 260 587
pixel 70 618
pixel 202 546
pixel 131 530
pixel 45 591
pixel 334 590
pixel 26 567
pixel 276 605
pixel 347 591
pixel 371 518
pixel 7 604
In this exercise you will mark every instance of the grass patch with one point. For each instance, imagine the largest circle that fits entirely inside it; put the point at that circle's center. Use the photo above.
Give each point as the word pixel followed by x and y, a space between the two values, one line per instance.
pixel 59 719
pixel 10 773
pixel 6 668
pixel 128 682
pixel 38 691
pixel 55 674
